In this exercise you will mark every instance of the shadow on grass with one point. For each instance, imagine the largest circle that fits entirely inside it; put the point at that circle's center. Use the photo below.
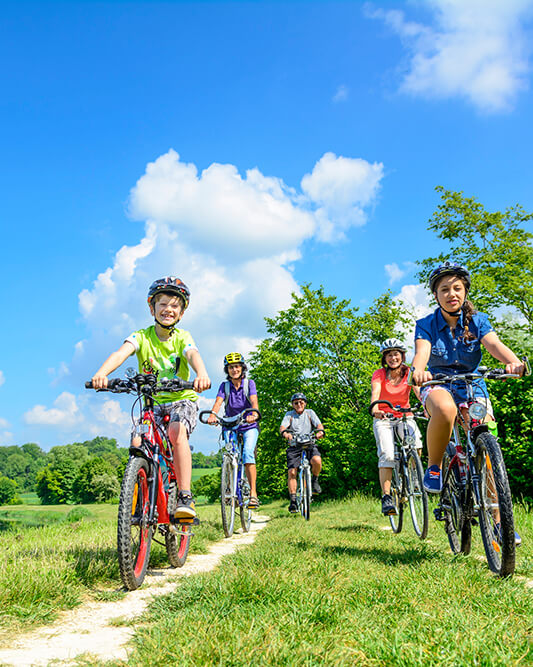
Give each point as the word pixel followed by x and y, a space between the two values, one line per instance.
pixel 407 556
pixel 94 564
pixel 356 528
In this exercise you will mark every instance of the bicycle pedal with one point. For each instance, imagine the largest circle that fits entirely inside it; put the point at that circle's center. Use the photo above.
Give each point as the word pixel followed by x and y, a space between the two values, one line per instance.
pixel 437 513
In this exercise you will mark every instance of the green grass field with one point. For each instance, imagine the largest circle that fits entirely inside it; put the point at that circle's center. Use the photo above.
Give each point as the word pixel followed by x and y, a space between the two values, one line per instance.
pixel 338 590
pixel 343 590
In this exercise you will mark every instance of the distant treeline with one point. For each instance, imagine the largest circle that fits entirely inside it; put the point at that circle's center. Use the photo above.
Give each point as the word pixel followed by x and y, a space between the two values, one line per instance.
pixel 81 472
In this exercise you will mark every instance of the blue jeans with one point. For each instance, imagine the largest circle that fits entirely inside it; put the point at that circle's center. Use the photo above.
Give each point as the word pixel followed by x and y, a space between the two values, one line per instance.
pixel 250 438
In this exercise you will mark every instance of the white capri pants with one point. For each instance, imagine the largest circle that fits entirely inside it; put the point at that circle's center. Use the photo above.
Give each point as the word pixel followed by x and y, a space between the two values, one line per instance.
pixel 384 433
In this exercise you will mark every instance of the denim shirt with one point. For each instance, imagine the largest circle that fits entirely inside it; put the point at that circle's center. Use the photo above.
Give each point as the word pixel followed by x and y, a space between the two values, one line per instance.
pixel 450 354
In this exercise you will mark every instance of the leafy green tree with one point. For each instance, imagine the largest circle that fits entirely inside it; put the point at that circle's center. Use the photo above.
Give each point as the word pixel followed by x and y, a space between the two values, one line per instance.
pixel 54 482
pixel 208 485
pixel 322 346
pixel 8 491
pixel 95 482
pixel 496 247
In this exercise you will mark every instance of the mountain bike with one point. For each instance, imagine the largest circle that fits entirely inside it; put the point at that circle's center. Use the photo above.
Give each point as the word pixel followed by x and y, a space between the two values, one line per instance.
pixel 408 474
pixel 475 487
pixel 148 495
pixel 234 486
pixel 304 493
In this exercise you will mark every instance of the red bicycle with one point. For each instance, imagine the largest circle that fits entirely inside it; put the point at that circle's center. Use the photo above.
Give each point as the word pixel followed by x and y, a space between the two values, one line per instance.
pixel 148 493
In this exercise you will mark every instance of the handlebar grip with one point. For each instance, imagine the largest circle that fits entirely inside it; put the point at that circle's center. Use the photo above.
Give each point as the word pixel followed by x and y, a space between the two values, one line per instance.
pixel 206 412
pixel 376 403
pixel 89 384
pixel 527 370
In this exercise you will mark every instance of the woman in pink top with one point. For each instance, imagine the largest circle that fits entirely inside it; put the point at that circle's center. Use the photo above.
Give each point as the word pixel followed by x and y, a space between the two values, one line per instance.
pixel 389 383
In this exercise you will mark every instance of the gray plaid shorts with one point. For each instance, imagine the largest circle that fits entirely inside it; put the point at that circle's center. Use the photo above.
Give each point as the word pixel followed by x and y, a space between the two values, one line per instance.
pixel 184 411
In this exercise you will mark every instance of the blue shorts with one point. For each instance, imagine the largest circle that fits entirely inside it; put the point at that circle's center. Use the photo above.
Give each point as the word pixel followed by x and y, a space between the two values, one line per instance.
pixel 250 438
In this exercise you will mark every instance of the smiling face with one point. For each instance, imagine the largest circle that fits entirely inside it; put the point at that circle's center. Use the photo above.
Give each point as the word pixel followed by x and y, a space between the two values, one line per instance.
pixel 450 293
pixel 167 309
pixel 298 406
pixel 394 359
pixel 235 371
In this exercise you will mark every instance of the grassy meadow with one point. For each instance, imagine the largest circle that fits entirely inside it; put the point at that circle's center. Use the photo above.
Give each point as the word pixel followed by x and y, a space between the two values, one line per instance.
pixel 338 590
pixel 343 590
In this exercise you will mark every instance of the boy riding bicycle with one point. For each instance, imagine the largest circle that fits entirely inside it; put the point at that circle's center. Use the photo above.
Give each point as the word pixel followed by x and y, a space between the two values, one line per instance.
pixel 168 351
pixel 301 421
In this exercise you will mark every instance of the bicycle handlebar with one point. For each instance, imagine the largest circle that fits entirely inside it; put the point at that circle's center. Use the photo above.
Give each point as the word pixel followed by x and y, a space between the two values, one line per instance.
pixel 230 422
pixel 397 408
pixel 146 384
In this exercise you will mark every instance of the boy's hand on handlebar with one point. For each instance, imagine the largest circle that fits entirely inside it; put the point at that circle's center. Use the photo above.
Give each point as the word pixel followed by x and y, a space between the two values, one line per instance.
pixel 201 383
pixel 515 368
pixel 419 377
pixel 99 381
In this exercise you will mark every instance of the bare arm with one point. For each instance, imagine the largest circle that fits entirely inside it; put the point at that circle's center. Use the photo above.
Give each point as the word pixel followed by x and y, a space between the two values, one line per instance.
pixel 202 381
pixel 422 354
pixel 501 352
pixel 111 364
pixel 216 407
pixel 376 391
pixel 252 416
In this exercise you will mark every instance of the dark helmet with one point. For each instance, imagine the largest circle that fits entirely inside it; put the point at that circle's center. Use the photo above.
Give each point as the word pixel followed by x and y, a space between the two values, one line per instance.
pixel 298 396
pixel 169 285
pixel 449 269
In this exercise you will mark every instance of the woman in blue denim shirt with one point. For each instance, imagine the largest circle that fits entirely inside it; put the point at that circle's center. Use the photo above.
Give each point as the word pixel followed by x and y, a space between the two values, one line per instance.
pixel 449 341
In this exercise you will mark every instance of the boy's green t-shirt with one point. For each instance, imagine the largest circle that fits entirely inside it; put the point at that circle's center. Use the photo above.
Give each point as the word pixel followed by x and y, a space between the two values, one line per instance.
pixel 160 356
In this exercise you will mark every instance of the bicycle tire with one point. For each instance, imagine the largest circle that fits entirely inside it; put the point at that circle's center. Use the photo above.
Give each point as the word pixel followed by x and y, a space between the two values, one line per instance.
pixel 227 496
pixel 417 496
pixel 396 492
pixel 457 525
pixel 496 502
pixel 306 494
pixel 244 511
pixel 134 535
pixel 177 545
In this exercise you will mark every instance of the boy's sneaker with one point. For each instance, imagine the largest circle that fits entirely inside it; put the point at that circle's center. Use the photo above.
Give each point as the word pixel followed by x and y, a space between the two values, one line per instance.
pixel 315 486
pixel 498 535
pixel 432 480
pixel 185 508
pixel 388 508
pixel 293 506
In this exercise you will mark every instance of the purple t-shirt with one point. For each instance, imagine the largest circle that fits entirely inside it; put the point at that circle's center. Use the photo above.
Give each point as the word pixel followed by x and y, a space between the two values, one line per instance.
pixel 238 401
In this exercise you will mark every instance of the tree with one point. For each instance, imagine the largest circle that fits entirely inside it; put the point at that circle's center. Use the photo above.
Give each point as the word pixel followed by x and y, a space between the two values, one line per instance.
pixel 54 482
pixel 325 348
pixel 8 491
pixel 495 247
pixel 95 482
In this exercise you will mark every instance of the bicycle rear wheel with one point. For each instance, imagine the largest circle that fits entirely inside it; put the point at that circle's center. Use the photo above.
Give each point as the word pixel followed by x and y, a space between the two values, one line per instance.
pixel 418 500
pixel 305 492
pixel 227 496
pixel 177 545
pixel 134 535
pixel 396 520
pixel 496 520
pixel 244 511
pixel 457 524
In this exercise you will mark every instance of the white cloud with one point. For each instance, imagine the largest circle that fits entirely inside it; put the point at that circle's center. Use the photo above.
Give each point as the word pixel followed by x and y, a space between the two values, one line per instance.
pixel 3 423
pixel 2 378
pixel 475 49
pixel 341 94
pixel 63 415
pixel 342 188
pixel 395 272
pixel 416 299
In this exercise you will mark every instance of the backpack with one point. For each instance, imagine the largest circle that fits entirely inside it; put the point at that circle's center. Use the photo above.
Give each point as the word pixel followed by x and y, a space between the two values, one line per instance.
pixel 246 389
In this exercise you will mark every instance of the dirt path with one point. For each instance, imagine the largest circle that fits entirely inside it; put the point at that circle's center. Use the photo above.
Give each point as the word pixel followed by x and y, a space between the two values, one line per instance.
pixel 87 629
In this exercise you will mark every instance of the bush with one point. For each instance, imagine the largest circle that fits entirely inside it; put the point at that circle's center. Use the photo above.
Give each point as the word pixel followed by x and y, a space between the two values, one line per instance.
pixel 77 514
pixel 8 491
pixel 209 486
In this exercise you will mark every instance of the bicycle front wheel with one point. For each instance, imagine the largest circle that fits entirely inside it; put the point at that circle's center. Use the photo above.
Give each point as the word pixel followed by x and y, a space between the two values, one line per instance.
pixel 396 520
pixel 418 500
pixel 457 525
pixel 496 520
pixel 305 493
pixel 227 496
pixel 134 534
pixel 244 511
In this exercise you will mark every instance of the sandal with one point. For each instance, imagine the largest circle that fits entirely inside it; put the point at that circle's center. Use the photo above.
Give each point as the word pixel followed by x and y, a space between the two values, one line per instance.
pixel 253 503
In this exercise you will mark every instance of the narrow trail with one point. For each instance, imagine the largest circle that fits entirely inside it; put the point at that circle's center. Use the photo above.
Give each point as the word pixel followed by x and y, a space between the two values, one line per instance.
pixel 87 628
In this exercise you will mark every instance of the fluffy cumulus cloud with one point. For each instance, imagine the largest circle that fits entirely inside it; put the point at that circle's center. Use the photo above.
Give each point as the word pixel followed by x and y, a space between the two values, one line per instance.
pixel 232 238
pixel 396 272
pixel 475 49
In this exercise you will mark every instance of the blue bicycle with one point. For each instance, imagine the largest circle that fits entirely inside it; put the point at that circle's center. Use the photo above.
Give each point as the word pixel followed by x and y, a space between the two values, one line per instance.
pixel 234 486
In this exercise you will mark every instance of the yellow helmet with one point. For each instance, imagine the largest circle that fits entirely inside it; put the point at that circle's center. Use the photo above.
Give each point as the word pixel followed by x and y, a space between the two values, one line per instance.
pixel 233 358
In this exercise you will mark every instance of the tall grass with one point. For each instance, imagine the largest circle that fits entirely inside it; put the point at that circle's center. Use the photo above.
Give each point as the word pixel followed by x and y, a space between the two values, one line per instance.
pixel 56 566
pixel 341 590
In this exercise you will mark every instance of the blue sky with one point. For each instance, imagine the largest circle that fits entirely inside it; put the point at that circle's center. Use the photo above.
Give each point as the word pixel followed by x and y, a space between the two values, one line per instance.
pixel 247 147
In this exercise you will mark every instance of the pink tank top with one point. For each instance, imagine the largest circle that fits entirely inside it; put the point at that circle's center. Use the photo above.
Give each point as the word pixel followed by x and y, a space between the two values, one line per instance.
pixel 397 394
